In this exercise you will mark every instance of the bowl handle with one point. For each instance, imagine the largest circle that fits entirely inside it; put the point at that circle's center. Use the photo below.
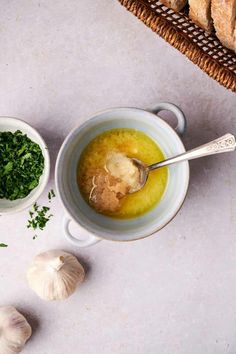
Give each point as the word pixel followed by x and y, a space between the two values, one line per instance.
pixel 166 106
pixel 87 240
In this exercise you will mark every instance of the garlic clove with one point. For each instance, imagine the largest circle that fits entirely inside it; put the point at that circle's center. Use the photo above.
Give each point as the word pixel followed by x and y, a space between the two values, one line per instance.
pixel 14 330
pixel 55 275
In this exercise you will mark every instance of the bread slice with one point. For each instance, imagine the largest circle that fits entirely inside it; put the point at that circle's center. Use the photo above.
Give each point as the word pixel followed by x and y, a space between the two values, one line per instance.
pixel 223 13
pixel 200 13
pixel 176 5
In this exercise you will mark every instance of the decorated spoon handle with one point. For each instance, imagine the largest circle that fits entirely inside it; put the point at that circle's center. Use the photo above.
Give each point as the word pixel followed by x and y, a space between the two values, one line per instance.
pixel 224 144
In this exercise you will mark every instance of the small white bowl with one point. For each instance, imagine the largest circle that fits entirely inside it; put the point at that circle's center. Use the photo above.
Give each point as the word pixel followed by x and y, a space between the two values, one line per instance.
pixel 93 226
pixel 13 124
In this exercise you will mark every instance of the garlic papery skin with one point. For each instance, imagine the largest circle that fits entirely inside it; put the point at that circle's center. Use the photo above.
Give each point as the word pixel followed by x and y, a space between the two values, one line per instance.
pixel 55 275
pixel 14 330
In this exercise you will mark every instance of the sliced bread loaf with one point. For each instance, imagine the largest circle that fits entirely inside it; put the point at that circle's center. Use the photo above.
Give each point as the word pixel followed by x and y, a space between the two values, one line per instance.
pixel 176 5
pixel 223 13
pixel 200 13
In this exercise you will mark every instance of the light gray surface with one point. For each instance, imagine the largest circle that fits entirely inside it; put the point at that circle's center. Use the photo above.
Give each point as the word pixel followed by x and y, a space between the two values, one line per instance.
pixel 173 293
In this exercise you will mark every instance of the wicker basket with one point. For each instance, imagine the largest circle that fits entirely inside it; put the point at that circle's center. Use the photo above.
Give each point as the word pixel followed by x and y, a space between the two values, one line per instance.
pixel 201 48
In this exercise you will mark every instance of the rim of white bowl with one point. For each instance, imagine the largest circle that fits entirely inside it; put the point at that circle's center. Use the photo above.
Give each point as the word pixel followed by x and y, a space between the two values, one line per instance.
pixel 46 172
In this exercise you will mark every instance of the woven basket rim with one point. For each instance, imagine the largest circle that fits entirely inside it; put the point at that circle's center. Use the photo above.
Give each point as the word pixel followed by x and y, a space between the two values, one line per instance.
pixel 178 39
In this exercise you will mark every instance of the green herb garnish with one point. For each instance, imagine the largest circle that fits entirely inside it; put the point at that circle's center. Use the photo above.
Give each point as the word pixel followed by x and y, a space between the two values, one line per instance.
pixel 3 245
pixel 51 195
pixel 39 217
pixel 21 165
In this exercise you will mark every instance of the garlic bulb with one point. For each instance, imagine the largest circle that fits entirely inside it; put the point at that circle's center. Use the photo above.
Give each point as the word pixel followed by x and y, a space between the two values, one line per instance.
pixel 14 330
pixel 54 275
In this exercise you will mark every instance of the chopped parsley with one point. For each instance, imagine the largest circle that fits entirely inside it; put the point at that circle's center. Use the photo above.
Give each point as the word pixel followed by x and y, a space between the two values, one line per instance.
pixel 21 165
pixel 39 217
pixel 51 195
pixel 3 245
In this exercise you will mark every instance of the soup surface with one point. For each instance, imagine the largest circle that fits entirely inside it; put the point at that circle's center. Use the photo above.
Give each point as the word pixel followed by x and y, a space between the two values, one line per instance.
pixel 130 143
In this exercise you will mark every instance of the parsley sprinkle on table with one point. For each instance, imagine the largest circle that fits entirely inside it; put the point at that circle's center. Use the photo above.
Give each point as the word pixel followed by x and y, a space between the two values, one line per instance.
pixel 39 217
pixel 51 195
pixel 21 165
pixel 3 245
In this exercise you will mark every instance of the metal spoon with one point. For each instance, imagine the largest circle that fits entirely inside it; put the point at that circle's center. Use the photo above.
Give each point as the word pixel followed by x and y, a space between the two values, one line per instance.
pixel 224 144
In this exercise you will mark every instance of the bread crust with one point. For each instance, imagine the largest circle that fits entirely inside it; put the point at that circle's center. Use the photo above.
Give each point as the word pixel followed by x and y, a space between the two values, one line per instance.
pixel 224 14
pixel 176 5
pixel 200 13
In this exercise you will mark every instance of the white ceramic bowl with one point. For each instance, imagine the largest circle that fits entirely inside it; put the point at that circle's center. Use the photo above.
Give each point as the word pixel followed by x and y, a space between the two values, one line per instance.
pixel 93 226
pixel 13 124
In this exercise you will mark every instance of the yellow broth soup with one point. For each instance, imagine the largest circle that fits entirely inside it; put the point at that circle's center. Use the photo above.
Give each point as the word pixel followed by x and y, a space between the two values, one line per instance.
pixel 132 143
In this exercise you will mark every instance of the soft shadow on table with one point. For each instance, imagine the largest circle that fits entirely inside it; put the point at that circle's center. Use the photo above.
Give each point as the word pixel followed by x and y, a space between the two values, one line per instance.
pixel 195 138
pixel 54 143
pixel 33 321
